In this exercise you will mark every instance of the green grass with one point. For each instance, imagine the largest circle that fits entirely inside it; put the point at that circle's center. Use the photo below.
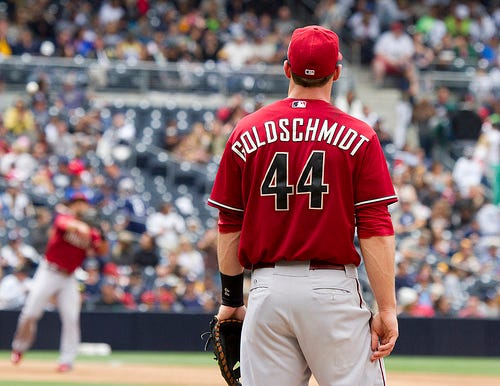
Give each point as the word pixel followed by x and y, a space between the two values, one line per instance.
pixel 152 358
pixel 444 365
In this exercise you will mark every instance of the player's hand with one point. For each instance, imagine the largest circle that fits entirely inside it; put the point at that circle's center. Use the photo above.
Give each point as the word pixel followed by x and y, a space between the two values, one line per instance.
pixel 226 312
pixel 384 331
pixel 82 228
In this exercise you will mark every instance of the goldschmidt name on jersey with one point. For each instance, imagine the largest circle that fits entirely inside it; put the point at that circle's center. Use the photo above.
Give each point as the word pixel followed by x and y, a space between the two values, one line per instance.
pixel 297 130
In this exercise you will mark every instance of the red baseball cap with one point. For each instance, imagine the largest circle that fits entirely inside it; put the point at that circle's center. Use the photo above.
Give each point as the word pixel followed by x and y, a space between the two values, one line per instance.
pixel 76 166
pixel 313 52
pixel 78 196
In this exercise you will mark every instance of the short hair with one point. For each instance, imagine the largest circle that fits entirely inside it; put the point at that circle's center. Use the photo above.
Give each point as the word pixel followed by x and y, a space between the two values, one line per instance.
pixel 310 83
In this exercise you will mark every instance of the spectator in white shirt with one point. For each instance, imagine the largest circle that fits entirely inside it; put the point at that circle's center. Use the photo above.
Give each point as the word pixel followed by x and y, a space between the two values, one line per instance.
pixel 19 164
pixel 17 253
pixel 111 12
pixel 393 52
pixel 488 219
pixel 14 288
pixel 60 140
pixel 14 203
pixel 166 225
pixel 482 26
pixel 264 48
pixel 118 136
pixel 238 51
pixel 467 172
pixel 349 103
pixel 190 260
pixel 488 153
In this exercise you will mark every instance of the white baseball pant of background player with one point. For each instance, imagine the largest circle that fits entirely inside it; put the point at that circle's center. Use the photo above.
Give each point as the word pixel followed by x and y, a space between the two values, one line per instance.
pixel 300 320
pixel 48 282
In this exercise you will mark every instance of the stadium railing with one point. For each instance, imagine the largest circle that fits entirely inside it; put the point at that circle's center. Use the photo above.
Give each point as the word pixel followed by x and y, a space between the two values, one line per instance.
pixel 122 76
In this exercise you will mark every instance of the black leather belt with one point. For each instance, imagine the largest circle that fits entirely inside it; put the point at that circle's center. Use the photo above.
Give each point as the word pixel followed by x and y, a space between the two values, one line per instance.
pixel 313 265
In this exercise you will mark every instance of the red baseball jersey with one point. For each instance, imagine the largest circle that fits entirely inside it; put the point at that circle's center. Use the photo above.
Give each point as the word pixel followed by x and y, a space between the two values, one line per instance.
pixel 67 249
pixel 297 170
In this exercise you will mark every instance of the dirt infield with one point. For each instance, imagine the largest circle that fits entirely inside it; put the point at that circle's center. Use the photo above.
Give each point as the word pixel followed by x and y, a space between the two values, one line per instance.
pixel 134 374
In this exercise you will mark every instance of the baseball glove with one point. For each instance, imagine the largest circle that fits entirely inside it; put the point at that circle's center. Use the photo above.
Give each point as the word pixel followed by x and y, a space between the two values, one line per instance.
pixel 226 336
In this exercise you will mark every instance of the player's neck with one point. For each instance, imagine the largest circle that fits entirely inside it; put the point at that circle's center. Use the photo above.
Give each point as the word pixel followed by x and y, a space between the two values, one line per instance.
pixel 321 93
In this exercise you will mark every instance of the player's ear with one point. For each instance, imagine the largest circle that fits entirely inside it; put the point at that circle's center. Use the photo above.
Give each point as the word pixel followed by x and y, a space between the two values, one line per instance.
pixel 338 67
pixel 287 69
pixel 337 72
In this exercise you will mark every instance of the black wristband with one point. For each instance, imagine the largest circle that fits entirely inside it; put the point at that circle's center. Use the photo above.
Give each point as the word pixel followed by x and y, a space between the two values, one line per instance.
pixel 232 290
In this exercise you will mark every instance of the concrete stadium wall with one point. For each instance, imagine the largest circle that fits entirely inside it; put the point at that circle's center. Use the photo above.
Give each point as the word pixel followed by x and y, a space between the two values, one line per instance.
pixel 181 332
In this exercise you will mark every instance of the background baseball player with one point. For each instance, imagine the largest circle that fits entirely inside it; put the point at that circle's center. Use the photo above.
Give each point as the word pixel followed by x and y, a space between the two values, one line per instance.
pixel 296 180
pixel 69 241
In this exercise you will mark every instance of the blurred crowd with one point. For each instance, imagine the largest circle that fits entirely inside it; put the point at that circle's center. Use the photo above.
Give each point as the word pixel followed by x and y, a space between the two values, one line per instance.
pixel 239 32
pixel 444 153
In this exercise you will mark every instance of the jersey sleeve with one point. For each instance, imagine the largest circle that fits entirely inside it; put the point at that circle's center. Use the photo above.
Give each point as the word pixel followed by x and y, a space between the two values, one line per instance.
pixel 373 220
pixel 227 192
pixel 373 182
pixel 229 221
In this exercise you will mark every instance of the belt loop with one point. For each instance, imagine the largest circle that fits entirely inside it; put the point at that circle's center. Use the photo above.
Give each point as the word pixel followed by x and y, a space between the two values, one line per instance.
pixel 351 271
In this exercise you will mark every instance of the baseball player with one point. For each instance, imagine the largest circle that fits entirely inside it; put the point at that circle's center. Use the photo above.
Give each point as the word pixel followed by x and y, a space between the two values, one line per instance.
pixel 296 180
pixel 69 241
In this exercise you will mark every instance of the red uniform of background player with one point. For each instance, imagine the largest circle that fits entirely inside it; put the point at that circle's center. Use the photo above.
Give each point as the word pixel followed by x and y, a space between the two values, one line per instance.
pixel 69 241
pixel 296 181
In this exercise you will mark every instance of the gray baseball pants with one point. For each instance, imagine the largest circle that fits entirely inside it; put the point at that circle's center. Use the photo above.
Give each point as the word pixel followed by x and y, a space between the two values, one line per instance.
pixel 48 283
pixel 301 322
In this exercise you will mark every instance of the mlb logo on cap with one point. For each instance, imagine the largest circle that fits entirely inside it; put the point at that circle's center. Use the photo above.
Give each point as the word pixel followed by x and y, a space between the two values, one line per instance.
pixel 313 52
